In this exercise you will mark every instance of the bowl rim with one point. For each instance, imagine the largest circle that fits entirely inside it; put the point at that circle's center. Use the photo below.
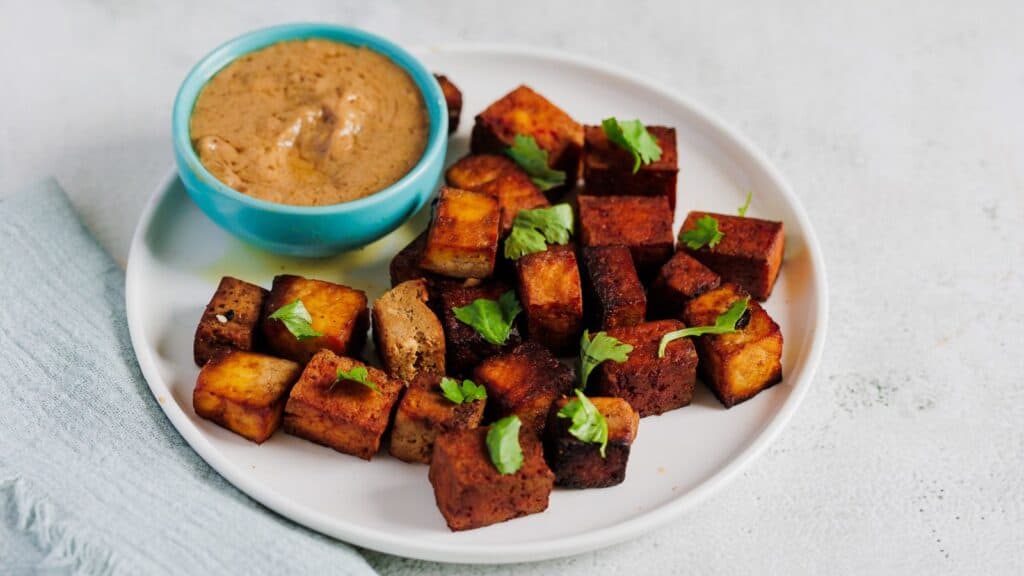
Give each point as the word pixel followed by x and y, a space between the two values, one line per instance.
pixel 224 54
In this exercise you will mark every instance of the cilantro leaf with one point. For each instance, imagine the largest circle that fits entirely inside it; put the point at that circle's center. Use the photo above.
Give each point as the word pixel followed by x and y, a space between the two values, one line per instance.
pixel 706 232
pixel 522 241
pixel 533 230
pixel 594 351
pixel 743 209
pixel 491 319
pixel 633 137
pixel 724 324
pixel 534 161
pixel 296 319
pixel 503 444
pixel 469 391
pixel 588 424
pixel 357 374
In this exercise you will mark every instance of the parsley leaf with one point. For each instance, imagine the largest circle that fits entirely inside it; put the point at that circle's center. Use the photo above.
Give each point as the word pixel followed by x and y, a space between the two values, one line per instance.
pixel 296 319
pixel 724 324
pixel 594 351
pixel 705 233
pixel 492 319
pixel 588 424
pixel 357 374
pixel 633 137
pixel 503 444
pixel 534 161
pixel 743 209
pixel 533 230
pixel 468 392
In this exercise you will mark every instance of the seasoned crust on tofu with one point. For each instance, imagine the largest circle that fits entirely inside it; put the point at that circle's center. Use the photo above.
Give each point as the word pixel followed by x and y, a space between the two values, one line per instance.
pixel 465 346
pixel 423 413
pixel 738 365
pixel 614 295
pixel 578 464
pixel 463 238
pixel 409 337
pixel 642 223
pixel 453 100
pixel 501 178
pixel 338 312
pixel 680 279
pixel 608 169
pixel 524 382
pixel 405 266
pixel 239 304
pixel 749 254
pixel 549 288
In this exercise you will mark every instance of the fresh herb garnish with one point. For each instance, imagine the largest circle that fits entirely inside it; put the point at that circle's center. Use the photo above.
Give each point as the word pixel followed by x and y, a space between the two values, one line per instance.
pixel 633 137
pixel 492 319
pixel 594 351
pixel 533 230
pixel 588 424
pixel 357 374
pixel 503 444
pixel 534 161
pixel 705 233
pixel 469 391
pixel 724 324
pixel 743 209
pixel 296 319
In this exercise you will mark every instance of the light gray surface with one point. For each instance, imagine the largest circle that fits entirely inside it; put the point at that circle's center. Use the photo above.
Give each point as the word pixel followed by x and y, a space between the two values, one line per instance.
pixel 899 125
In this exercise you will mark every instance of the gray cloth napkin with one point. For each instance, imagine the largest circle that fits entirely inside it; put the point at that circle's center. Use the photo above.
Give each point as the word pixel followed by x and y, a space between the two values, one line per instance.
pixel 93 478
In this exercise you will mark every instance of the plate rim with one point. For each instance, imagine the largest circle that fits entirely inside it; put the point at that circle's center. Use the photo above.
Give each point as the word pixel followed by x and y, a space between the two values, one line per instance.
pixel 488 553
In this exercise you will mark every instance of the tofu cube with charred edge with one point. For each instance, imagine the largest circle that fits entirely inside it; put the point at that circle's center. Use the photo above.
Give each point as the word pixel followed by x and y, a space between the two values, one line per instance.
pixel 347 416
pixel 615 296
pixel 409 337
pixel 650 384
pixel 738 365
pixel 229 320
pixel 501 178
pixel 549 286
pixel 464 345
pixel 749 254
pixel 641 223
pixel 463 238
pixel 679 280
pixel 405 266
pixel 245 392
pixel 469 490
pixel 423 413
pixel 339 313
pixel 524 382
pixel 578 464
pixel 453 99
pixel 608 168
pixel 523 111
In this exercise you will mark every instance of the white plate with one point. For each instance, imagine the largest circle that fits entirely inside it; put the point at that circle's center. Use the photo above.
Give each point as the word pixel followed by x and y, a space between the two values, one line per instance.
pixel 178 255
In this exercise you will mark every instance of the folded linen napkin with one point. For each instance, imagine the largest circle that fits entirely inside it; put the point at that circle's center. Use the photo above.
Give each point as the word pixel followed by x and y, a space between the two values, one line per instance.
pixel 93 478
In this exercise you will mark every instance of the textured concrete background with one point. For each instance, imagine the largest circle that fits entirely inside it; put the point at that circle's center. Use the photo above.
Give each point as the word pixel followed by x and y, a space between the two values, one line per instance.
pixel 900 126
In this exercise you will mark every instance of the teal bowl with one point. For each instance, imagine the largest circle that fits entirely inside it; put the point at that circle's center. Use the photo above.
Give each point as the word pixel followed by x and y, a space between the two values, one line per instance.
pixel 311 231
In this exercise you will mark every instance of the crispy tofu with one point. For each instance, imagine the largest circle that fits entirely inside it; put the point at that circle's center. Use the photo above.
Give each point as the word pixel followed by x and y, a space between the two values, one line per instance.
pixel 338 312
pixel 524 382
pixel 245 392
pixel 641 223
pixel 229 320
pixel 523 111
pixel 738 365
pixel 409 337
pixel 650 384
pixel 679 280
pixel 347 416
pixel 608 169
pixel 749 254
pixel 614 295
pixel 463 238
pixel 549 288
pixel 405 266
pixel 453 99
pixel 423 413
pixel 469 490
pixel 578 464
pixel 464 345
pixel 501 178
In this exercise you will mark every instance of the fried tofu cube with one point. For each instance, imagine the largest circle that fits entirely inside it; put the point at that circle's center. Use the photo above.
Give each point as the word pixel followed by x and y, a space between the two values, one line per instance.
pixel 469 490
pixel 650 384
pixel 523 111
pixel 608 169
pixel 341 414
pixel 463 238
pixel 229 320
pixel 465 346
pixel 549 287
pixel 749 254
pixel 738 365
pixel 405 266
pixel 579 464
pixel 641 223
pixel 245 392
pixel 615 296
pixel 339 313
pixel 408 336
pixel 423 413
pixel 501 178
pixel 679 280
pixel 524 382
pixel 453 99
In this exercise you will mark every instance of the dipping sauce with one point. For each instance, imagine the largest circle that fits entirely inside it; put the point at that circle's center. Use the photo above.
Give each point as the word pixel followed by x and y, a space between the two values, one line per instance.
pixel 310 123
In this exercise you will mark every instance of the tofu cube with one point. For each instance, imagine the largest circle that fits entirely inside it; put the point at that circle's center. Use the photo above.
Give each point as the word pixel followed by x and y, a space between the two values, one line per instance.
pixel 749 254
pixel 608 169
pixel 463 238
pixel 244 392
pixel 405 266
pixel 641 223
pixel 650 384
pixel 679 280
pixel 338 312
pixel 347 416
pixel 578 464
pixel 469 490
pixel 501 178
pixel 738 365
pixel 408 336
pixel 464 345
pixel 423 413
pixel 229 320
pixel 615 296
pixel 549 288
pixel 524 382
pixel 453 99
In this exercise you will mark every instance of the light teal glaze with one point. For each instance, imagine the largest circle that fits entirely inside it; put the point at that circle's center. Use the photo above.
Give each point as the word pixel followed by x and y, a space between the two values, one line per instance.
pixel 309 230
